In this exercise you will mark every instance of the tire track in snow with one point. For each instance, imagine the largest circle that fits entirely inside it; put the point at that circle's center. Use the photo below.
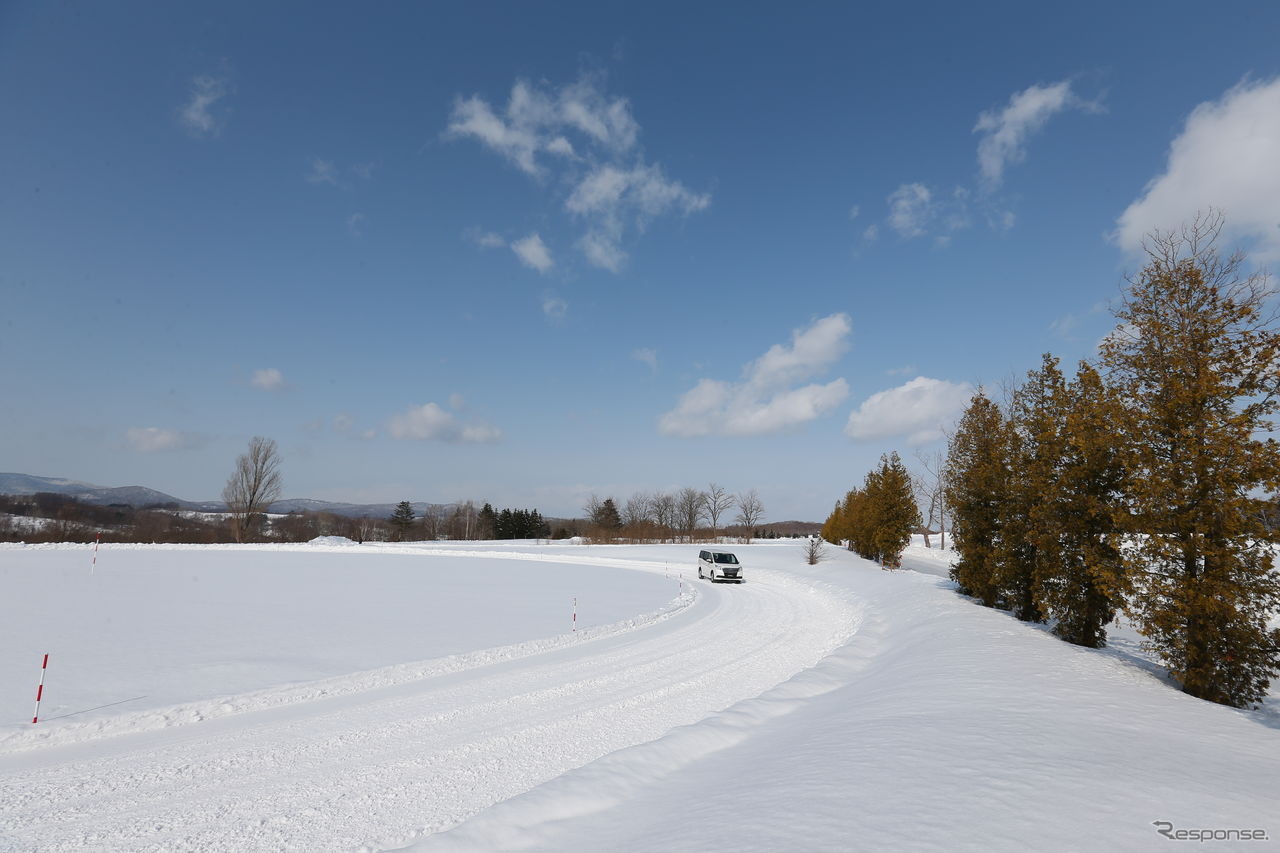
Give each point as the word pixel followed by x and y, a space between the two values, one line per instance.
pixel 382 767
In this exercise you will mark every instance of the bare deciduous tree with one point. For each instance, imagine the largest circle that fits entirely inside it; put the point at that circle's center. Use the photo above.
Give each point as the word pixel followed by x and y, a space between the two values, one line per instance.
pixel 664 510
pixel 931 489
pixel 715 500
pixel 253 486
pixel 750 512
pixel 815 550
pixel 638 510
pixel 691 507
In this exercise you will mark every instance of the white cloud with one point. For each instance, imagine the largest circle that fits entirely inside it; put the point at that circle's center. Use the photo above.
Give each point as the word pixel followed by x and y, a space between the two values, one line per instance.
pixel 1005 132
pixel 561 146
pixel 343 423
pixel 602 250
pixel 536 120
pixel 355 224
pixel 268 379
pixel 910 209
pixel 198 115
pixel 855 212
pixel 430 422
pixel 553 307
pixel 872 233
pixel 481 433
pixel 533 253
pixel 457 402
pixel 475 118
pixel 364 170
pixel 612 191
pixel 1227 157
pixel 901 371
pixel 323 172
pixel 155 439
pixel 647 356
pixel 920 410
pixel 486 239
pixel 763 402
pixel 611 199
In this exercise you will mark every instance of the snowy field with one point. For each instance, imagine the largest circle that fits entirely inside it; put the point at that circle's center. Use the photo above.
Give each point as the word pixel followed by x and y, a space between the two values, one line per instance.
pixel 332 697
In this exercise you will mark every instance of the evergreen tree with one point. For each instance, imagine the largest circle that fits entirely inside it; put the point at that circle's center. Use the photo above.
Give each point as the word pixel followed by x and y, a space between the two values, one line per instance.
pixel 893 511
pixel 609 517
pixel 402 519
pixel 977 480
pixel 539 529
pixel 487 523
pixel 1082 580
pixel 833 527
pixel 1196 360
pixel 1030 542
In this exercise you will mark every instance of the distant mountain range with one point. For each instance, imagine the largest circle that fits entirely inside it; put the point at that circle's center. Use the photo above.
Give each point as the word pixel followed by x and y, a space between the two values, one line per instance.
pixel 141 496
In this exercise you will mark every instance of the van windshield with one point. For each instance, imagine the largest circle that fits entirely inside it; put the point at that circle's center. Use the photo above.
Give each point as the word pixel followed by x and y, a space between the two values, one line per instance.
pixel 726 558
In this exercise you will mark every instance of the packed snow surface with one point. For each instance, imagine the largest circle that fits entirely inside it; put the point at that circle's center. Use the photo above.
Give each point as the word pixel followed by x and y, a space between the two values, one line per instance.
pixel 339 697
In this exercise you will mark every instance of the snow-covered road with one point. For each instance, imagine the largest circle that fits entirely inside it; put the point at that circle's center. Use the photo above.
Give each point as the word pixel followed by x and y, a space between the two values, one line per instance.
pixel 381 765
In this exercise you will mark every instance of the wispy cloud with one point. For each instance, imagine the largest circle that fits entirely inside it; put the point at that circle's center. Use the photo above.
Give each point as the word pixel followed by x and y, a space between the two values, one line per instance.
pixel 647 356
pixel 920 410
pixel 587 140
pixel 1005 131
pixel 485 239
pixel 766 401
pixel 200 115
pixel 533 253
pixel 553 307
pixel 268 379
pixel 323 172
pixel 430 422
pixel 155 439
pixel 355 224
pixel 1227 157
pixel 915 209
pixel 911 208
pixel 611 200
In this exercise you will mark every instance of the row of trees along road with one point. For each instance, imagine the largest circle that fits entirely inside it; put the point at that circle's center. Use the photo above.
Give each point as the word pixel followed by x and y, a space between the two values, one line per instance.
pixel 679 515
pixel 490 523
pixel 878 519
pixel 1140 487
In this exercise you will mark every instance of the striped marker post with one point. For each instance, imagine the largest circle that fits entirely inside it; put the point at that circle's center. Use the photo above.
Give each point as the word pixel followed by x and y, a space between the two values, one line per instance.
pixel 575 614
pixel 94 562
pixel 35 716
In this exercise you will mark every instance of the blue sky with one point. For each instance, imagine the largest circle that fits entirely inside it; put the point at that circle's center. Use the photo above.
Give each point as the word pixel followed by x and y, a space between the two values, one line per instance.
pixel 526 252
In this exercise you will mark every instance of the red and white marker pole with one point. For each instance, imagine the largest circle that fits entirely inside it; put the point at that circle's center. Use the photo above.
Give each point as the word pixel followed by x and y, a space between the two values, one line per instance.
pixel 94 562
pixel 575 614
pixel 35 716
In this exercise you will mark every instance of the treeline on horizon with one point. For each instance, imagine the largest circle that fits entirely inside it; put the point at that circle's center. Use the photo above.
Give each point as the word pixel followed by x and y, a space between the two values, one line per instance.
pixel 1143 486
pixel 48 517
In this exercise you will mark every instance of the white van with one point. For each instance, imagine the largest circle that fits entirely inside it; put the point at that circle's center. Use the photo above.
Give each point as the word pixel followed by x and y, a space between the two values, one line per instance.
pixel 719 565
